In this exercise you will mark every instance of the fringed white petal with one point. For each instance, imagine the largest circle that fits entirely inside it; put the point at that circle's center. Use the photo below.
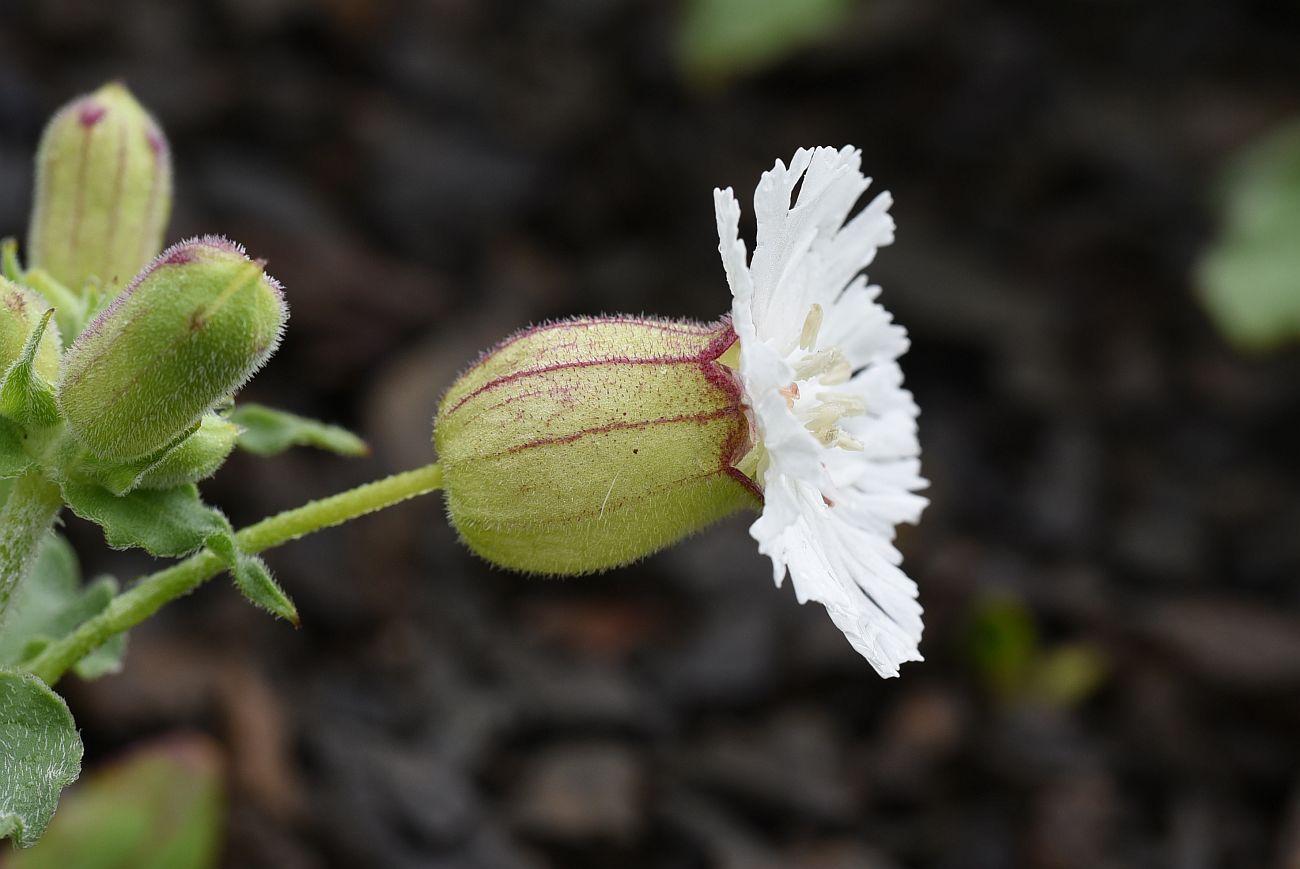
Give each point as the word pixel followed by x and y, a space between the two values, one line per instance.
pixel 837 428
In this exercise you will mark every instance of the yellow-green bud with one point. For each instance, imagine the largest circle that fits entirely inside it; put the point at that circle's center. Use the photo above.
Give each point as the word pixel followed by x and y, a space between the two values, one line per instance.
pixel 195 458
pixel 20 311
pixel 188 332
pixel 103 191
pixel 586 444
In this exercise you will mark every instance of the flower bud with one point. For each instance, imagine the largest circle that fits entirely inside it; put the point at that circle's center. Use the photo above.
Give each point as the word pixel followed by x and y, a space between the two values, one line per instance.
pixel 583 445
pixel 103 191
pixel 20 311
pixel 187 332
pixel 195 458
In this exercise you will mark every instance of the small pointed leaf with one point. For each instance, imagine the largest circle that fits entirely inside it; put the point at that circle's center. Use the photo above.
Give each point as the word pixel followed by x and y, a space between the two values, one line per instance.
pixel 24 396
pixel 253 578
pixel 164 522
pixel 40 755
pixel 268 431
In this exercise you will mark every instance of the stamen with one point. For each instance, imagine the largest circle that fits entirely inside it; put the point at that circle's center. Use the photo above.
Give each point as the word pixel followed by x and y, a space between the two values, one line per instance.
pixel 841 372
pixel 846 405
pixel 812 324
pixel 846 441
pixel 829 361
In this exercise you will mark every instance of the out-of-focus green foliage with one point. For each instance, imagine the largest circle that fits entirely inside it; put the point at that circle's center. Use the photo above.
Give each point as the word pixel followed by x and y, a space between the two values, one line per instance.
pixel 1003 643
pixel 162 808
pixel 1249 279
pixel 1016 668
pixel 51 603
pixel 719 40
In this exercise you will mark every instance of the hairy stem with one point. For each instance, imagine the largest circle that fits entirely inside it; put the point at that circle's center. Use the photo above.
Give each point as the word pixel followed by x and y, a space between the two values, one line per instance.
pixel 25 519
pixel 149 594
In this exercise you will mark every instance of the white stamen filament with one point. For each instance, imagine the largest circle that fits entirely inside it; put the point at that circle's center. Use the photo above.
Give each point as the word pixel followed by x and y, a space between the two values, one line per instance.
pixel 812 324
pixel 830 366
pixel 828 361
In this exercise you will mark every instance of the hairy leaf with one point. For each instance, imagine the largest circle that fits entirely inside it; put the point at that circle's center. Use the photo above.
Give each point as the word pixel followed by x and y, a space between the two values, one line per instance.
pixel 268 431
pixel 40 755
pixel 253 579
pixel 165 522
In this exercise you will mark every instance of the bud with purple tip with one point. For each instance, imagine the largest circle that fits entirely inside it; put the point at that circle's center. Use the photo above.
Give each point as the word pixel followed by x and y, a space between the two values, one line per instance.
pixel 103 191
pixel 187 332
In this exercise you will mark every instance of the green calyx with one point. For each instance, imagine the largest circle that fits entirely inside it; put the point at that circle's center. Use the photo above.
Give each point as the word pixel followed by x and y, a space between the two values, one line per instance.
pixel 188 332
pixel 583 445
pixel 103 191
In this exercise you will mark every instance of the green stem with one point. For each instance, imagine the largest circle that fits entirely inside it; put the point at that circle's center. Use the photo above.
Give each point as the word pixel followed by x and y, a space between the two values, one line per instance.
pixel 149 594
pixel 25 519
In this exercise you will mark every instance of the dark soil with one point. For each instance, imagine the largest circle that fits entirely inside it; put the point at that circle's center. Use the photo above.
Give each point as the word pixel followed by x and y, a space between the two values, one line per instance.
pixel 426 177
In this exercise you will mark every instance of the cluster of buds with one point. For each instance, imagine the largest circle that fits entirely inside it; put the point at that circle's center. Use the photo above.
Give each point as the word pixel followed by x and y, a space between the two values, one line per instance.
pixel 145 346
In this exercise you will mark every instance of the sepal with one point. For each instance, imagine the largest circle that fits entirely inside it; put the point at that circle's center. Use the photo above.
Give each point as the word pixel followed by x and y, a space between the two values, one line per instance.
pixel 26 396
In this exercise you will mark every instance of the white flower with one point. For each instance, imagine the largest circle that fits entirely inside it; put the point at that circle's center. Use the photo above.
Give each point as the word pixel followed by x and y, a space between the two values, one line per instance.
pixel 837 452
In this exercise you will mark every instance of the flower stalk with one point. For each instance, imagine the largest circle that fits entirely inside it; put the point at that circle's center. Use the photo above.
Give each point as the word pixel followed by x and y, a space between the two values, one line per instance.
pixel 151 593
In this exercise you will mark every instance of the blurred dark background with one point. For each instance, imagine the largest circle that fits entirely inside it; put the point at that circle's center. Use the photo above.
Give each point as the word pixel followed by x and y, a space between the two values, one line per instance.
pixel 1109 565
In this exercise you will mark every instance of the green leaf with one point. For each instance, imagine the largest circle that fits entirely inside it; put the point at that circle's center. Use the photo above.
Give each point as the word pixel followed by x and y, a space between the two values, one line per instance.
pixel 159 808
pixel 719 40
pixel 24 396
pixel 51 603
pixel 14 461
pixel 164 522
pixel 1249 279
pixel 268 431
pixel 40 755
pixel 253 578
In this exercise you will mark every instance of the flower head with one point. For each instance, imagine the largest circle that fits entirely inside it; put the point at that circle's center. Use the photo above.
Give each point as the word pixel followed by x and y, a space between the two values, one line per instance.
pixel 835 447
pixel 578 446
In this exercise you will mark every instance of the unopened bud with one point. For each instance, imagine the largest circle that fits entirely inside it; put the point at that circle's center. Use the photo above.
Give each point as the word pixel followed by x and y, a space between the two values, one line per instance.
pixel 103 191
pixel 195 458
pixel 20 312
pixel 188 332
pixel 583 445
